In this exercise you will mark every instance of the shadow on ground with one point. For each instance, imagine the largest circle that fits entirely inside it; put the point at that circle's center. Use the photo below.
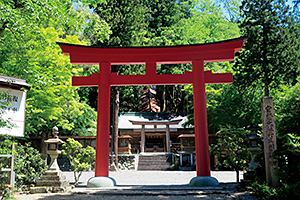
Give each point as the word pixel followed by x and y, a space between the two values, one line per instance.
pixel 143 192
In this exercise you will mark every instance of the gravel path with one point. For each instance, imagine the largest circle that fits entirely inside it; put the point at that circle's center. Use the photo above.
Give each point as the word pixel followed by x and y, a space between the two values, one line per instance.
pixel 148 185
pixel 132 177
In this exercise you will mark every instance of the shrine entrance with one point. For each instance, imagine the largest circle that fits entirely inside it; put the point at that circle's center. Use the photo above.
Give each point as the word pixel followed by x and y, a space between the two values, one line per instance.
pixel 151 56
pixel 155 143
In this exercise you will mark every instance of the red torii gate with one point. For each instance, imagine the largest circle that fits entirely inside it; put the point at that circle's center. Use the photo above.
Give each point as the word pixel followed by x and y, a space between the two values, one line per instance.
pixel 195 54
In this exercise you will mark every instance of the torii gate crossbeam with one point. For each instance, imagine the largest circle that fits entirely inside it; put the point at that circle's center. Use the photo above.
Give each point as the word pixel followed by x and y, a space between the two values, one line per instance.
pixel 151 56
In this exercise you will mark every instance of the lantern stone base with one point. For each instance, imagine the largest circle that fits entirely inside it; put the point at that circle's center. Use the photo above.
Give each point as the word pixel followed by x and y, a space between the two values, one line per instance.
pixel 51 181
pixel 100 181
pixel 203 181
pixel 47 189
pixel 53 178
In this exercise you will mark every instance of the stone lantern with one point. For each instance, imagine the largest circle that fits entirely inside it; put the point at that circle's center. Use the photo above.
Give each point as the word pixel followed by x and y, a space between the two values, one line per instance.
pixel 53 149
pixel 254 149
pixel 53 180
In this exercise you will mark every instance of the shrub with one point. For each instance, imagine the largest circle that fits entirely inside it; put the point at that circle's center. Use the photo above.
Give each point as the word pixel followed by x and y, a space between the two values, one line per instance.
pixel 263 192
pixel 288 156
pixel 28 164
pixel 285 191
pixel 80 158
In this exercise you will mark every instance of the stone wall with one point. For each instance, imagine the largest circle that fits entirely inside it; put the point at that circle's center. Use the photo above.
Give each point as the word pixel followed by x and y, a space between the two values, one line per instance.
pixel 125 162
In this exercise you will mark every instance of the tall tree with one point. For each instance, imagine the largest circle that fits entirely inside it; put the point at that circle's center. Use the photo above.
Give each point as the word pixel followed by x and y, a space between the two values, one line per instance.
pixel 271 54
pixel 208 24
pixel 28 50
pixel 164 17
pixel 270 58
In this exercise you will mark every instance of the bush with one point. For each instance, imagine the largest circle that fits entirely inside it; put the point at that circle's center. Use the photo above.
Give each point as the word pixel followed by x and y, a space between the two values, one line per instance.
pixel 283 192
pixel 263 192
pixel 28 164
pixel 288 156
pixel 80 158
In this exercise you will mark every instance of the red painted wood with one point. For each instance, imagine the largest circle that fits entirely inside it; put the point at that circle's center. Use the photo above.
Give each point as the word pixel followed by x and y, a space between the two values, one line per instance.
pixel 210 52
pixel 126 59
pixel 103 122
pixel 200 120
pixel 195 54
pixel 165 79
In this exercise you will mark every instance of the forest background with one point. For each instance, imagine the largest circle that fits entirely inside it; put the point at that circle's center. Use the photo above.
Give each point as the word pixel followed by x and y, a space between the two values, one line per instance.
pixel 268 64
pixel 29 31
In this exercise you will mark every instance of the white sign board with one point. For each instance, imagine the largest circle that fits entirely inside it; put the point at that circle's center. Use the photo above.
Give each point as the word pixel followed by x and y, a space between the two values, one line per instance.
pixel 13 111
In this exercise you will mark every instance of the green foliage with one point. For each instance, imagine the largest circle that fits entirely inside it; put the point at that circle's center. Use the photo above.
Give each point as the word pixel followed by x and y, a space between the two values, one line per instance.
pixel 5 162
pixel 126 22
pixel 164 21
pixel 208 25
pixel 136 23
pixel 231 148
pixel 28 163
pixel 263 192
pixel 80 158
pixel 271 54
pixel 228 106
pixel 7 193
pixel 288 147
pixel 232 9
pixel 287 101
pixel 288 156
pixel 28 50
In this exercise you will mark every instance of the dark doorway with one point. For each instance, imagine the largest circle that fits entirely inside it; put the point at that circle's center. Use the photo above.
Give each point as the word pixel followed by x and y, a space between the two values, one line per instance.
pixel 155 144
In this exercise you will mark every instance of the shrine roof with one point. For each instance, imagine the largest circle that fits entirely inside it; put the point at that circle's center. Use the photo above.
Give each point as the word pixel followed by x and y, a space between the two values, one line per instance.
pixel 208 52
pixel 125 118
pixel 155 122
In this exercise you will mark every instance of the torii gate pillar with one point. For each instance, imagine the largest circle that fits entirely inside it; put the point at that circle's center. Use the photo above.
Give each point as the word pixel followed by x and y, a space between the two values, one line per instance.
pixel 201 131
pixel 195 54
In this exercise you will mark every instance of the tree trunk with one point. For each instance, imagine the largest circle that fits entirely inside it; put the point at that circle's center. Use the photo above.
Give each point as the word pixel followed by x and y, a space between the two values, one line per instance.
pixel 43 147
pixel 267 90
pixel 115 132
pixel 237 176
pixel 164 100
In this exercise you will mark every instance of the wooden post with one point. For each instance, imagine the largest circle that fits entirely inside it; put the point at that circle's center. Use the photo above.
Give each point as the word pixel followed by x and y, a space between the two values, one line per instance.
pixel 115 125
pixel 200 118
pixel 168 137
pixel 12 173
pixel 10 170
pixel 269 134
pixel 103 125
pixel 143 139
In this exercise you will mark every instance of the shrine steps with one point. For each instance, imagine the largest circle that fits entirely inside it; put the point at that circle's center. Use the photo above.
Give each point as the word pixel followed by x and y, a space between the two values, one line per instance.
pixel 148 162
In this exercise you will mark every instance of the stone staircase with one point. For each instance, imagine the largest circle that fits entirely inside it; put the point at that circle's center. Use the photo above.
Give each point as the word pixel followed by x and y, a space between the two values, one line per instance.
pixel 154 162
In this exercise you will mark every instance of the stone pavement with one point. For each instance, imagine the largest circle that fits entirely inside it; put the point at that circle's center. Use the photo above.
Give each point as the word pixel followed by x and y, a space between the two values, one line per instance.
pixel 156 185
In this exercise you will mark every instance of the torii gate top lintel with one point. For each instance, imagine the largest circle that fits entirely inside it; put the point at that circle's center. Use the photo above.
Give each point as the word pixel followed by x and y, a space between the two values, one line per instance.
pixel 208 52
